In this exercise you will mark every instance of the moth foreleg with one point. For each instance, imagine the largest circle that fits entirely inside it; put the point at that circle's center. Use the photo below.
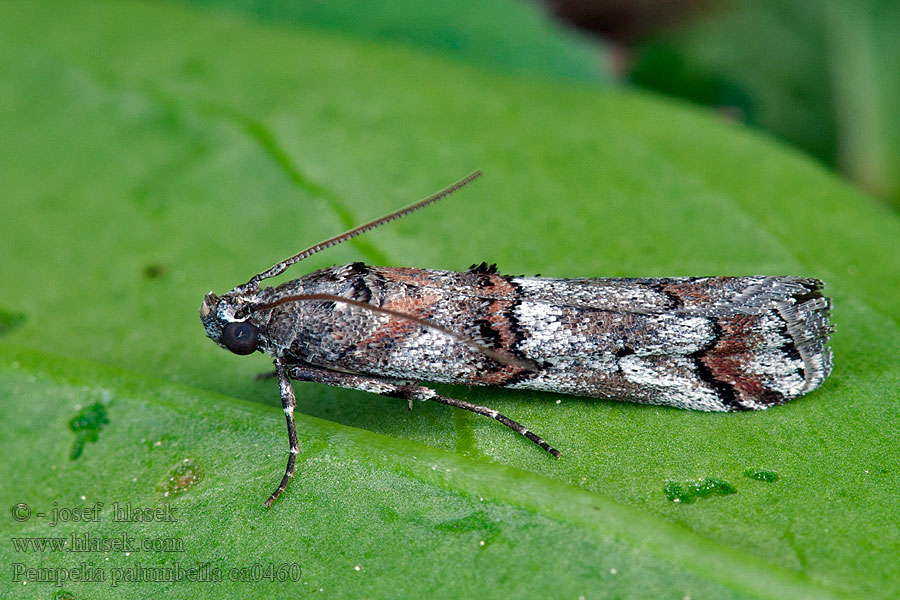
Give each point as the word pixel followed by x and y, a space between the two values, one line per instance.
pixel 288 403
pixel 409 393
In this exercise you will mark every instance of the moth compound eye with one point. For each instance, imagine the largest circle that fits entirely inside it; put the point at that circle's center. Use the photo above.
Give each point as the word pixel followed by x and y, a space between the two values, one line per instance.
pixel 241 338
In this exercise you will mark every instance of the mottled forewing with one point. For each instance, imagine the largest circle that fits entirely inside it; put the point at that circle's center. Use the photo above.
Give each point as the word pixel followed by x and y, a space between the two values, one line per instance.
pixel 713 343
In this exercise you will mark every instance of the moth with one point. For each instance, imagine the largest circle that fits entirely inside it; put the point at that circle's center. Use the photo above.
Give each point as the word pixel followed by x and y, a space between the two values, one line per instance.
pixel 699 343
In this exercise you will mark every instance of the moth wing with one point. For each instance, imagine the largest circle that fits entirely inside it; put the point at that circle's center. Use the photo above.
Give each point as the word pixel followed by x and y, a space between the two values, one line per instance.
pixel 713 343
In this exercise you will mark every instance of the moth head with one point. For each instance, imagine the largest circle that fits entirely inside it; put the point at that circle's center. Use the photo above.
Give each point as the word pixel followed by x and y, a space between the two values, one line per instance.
pixel 225 324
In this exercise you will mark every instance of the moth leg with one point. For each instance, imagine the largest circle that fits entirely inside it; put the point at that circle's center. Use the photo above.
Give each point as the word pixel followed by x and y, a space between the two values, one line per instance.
pixel 409 393
pixel 424 393
pixel 288 402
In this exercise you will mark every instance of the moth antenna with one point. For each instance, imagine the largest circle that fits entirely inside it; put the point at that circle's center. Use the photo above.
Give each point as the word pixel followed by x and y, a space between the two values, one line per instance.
pixel 279 267
pixel 500 356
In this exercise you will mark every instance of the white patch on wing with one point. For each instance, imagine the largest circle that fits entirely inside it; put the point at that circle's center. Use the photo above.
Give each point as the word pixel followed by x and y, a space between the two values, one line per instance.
pixel 677 386
pixel 779 371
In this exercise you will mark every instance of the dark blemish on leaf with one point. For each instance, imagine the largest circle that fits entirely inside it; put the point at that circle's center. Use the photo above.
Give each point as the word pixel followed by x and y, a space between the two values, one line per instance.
pixel 388 514
pixel 676 492
pixel 472 522
pixel 479 521
pixel 184 476
pixel 87 425
pixel 64 595
pixel 760 475
pixel 713 487
pixel 154 271
pixel 690 492
pixel 10 321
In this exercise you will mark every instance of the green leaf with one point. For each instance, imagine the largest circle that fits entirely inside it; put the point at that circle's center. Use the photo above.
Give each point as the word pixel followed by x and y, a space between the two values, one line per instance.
pixel 153 153
pixel 372 512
